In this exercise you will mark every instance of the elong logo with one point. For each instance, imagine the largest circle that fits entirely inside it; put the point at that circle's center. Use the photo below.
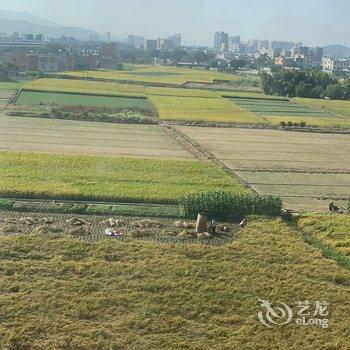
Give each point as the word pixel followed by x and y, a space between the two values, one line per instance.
pixel 282 314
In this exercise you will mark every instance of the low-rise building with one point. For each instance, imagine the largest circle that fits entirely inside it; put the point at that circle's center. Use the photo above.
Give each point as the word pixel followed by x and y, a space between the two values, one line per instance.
pixel 284 61
pixel 48 63
pixel 24 61
pixel 332 65
pixel 109 50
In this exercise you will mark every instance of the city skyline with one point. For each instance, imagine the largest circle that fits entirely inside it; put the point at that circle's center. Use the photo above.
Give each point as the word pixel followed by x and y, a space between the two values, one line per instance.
pixel 310 23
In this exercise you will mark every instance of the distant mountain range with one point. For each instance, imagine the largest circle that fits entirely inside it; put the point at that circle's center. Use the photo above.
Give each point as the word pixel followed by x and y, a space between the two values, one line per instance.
pixel 336 51
pixel 26 23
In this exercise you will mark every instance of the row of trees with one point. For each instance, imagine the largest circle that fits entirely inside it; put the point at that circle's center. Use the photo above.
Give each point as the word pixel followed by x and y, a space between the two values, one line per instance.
pixel 7 71
pixel 313 84
pixel 176 55
pixel 198 57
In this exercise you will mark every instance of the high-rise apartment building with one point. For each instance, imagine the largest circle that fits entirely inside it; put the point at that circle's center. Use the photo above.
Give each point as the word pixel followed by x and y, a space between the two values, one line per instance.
pixel 221 41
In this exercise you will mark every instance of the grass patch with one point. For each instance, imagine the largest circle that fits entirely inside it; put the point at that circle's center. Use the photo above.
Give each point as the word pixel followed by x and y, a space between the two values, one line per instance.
pixel 34 175
pixel 121 295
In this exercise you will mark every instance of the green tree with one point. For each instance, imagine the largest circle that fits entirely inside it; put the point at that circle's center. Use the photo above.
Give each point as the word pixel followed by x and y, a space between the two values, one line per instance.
pixel 7 70
pixel 334 92
pixel 303 89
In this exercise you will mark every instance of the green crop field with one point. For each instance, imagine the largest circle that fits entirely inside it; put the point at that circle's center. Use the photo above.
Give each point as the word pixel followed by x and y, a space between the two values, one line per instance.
pixel 341 108
pixel 158 74
pixel 251 95
pixel 107 178
pixel 84 86
pixel 91 138
pixel 275 111
pixel 145 295
pixel 295 166
pixel 202 109
pixel 49 98
pixel 4 85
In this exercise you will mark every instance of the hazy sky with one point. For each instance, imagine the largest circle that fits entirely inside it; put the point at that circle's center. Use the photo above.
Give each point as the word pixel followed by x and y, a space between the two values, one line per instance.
pixel 315 22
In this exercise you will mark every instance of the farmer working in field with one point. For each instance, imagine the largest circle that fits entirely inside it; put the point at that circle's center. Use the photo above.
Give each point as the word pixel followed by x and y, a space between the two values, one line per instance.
pixel 214 226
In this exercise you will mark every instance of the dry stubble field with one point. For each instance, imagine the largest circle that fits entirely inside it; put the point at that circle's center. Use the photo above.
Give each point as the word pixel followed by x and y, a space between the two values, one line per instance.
pixel 74 137
pixel 306 169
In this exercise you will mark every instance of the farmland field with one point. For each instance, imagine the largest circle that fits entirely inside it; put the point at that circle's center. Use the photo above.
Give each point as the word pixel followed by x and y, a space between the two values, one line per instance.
pixel 10 85
pixel 202 109
pixel 35 175
pixel 42 98
pixel 302 168
pixel 332 230
pixel 158 74
pixel 152 90
pixel 250 95
pixel 341 108
pixel 6 92
pixel 276 111
pixel 91 138
pixel 84 87
pixel 144 295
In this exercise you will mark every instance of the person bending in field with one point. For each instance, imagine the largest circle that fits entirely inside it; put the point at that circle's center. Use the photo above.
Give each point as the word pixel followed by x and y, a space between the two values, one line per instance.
pixel 214 227
pixel 334 208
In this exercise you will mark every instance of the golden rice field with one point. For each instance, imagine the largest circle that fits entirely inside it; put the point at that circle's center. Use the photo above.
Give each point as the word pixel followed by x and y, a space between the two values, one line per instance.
pixel 158 74
pixel 84 87
pixel 152 90
pixel 61 293
pixel 119 179
pixel 202 109
pixel 331 230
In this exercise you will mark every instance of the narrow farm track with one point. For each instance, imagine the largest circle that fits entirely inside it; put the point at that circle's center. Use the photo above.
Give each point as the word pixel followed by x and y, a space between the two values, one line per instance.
pixel 60 201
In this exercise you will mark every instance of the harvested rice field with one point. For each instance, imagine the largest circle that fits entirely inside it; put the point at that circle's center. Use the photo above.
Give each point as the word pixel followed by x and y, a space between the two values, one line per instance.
pixel 92 227
pixel 306 169
pixel 91 138
pixel 113 294
pixel 52 98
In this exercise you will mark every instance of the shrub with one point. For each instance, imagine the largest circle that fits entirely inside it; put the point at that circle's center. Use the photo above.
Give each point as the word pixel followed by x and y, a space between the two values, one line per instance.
pixel 6 204
pixel 283 123
pixel 222 205
pixel 289 123
pixel 303 124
